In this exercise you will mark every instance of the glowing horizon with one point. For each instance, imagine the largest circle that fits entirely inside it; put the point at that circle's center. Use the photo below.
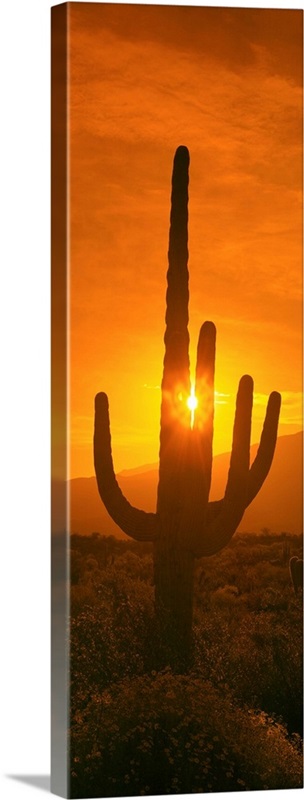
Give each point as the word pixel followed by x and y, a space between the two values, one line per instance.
pixel 226 83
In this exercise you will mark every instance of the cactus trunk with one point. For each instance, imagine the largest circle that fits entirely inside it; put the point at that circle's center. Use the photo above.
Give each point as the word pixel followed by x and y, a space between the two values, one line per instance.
pixel 173 558
pixel 173 575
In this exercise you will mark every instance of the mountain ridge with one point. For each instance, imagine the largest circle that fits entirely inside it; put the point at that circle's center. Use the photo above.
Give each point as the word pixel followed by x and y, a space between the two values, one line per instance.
pixel 149 467
pixel 278 506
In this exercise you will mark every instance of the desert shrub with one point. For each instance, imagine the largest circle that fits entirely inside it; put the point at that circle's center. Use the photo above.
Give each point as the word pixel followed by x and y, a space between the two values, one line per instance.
pixel 226 596
pixel 249 565
pixel 133 565
pixel 271 575
pixel 168 734
pixel 75 565
pixel 269 598
pixel 268 667
pixel 258 657
pixel 111 634
pixel 81 595
pixel 215 572
pixel 247 646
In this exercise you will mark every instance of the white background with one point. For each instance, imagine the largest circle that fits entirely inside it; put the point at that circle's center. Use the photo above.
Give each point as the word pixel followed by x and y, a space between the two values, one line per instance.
pixel 24 394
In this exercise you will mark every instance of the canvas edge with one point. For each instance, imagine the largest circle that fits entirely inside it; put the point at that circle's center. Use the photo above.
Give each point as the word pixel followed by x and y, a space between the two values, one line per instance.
pixel 59 404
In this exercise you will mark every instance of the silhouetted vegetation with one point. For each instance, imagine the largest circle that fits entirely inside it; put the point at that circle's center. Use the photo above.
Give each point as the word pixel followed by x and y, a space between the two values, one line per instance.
pixel 234 722
pixel 201 690
pixel 296 573
pixel 186 525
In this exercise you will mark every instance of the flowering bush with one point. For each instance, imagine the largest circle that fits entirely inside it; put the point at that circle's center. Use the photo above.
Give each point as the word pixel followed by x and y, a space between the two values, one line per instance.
pixel 167 734
pixel 136 730
pixel 258 657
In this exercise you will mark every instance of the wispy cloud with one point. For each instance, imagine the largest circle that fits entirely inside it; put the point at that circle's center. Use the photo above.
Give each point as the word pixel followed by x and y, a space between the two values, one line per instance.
pixel 218 398
pixel 291 408
pixel 227 86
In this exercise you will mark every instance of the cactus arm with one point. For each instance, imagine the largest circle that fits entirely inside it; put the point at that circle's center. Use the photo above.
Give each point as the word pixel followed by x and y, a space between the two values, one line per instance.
pixel 218 532
pixel 214 508
pixel 243 483
pixel 292 563
pixel 237 484
pixel 263 460
pixel 261 465
pixel 138 524
pixel 296 573
pixel 204 392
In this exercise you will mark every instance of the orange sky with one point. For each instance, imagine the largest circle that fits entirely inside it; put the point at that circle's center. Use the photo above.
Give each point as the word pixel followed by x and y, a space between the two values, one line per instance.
pixel 226 83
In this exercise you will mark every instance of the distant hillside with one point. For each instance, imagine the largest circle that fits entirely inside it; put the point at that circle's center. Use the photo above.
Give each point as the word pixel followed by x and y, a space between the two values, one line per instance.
pixel 278 506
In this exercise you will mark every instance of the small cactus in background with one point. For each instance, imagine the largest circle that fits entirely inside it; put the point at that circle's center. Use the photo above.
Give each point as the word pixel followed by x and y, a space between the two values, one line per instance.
pixel 296 573
pixel 186 525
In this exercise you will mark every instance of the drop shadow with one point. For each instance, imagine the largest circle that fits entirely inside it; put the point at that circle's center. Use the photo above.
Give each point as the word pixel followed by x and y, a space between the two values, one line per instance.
pixel 38 781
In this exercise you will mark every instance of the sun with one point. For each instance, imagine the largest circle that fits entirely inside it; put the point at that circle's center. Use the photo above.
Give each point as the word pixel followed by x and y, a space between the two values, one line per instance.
pixel 192 403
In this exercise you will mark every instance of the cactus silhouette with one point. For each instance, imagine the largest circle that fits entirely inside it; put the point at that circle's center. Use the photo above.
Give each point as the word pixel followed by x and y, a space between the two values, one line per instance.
pixel 186 525
pixel 296 573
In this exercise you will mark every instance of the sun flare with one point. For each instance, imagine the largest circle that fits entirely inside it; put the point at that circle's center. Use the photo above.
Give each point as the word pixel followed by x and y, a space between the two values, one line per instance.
pixel 192 404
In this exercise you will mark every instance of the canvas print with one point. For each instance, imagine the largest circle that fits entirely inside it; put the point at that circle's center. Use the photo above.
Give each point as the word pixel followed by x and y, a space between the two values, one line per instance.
pixel 177 408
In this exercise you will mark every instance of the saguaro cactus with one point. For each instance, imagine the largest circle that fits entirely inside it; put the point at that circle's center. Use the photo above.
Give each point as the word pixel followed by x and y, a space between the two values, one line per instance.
pixel 186 525
pixel 296 573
